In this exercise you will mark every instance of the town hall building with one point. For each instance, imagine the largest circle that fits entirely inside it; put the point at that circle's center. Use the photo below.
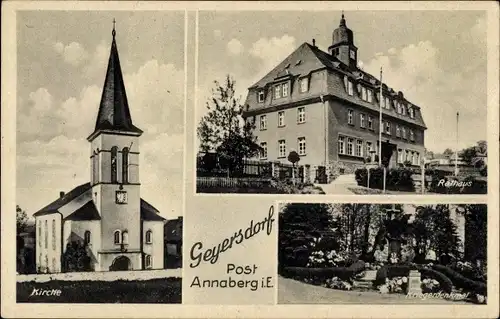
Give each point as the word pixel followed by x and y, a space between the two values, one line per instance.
pixel 106 219
pixel 323 106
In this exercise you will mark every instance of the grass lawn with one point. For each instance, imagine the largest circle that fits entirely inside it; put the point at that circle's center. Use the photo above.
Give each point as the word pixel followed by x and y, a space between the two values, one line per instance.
pixel 163 290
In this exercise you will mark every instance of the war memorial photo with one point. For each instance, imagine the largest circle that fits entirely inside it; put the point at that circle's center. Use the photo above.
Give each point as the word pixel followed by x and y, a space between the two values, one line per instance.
pixel 92 125
pixel 382 254
pixel 342 103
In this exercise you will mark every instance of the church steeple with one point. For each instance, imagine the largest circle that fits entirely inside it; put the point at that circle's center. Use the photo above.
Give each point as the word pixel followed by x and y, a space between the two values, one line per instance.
pixel 343 47
pixel 114 113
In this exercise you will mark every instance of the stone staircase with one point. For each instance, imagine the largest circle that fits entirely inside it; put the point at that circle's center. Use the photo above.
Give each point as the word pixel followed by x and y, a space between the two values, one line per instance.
pixel 366 282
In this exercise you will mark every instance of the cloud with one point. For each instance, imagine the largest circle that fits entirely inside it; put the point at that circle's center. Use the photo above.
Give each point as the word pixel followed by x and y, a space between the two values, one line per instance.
pixel 53 150
pixel 156 97
pixel 478 32
pixel 73 53
pixel 234 47
pixel 96 67
pixel 416 71
pixel 41 100
pixel 217 34
pixel 272 51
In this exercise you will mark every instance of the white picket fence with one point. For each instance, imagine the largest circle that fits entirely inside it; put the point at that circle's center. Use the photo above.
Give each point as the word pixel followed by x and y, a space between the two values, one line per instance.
pixel 103 275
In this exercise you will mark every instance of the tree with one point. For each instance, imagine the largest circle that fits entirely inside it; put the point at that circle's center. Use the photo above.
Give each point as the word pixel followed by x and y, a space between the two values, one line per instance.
pixel 434 225
pixel 471 155
pixel 21 219
pixel 476 222
pixel 429 155
pixel 224 130
pixel 448 152
pixel 301 226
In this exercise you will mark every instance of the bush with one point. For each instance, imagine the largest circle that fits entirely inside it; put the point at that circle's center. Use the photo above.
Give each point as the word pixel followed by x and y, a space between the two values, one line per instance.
pixel 470 271
pixel 388 272
pixel 461 281
pixel 396 179
pixel 321 274
pixel 445 283
pixel 474 185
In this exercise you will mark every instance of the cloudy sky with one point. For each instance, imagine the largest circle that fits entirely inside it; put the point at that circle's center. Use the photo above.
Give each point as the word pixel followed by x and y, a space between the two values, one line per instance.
pixel 437 58
pixel 62 59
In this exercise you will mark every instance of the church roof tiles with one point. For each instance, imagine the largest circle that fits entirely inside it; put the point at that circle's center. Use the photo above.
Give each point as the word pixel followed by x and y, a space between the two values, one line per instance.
pixel 114 113
pixel 77 204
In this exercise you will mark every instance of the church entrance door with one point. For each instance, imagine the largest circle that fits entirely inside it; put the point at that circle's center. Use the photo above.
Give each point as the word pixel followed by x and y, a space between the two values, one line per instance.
pixel 120 263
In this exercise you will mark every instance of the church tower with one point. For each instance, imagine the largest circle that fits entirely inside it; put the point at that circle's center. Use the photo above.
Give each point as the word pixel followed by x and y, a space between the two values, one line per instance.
pixel 114 163
pixel 343 47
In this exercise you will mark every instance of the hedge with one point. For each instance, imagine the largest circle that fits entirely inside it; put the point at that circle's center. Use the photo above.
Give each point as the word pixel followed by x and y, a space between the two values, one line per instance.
pixel 445 283
pixel 344 273
pixel 392 271
pixel 396 178
pixel 461 281
pixel 478 185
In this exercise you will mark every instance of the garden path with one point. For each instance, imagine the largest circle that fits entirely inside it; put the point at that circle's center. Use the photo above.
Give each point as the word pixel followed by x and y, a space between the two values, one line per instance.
pixel 341 185
pixel 296 292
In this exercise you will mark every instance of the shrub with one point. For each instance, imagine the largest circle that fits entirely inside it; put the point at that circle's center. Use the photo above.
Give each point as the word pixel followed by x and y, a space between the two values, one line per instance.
pixel 461 281
pixel 470 271
pixel 477 185
pixel 396 178
pixel 445 283
pixel 388 272
pixel 321 274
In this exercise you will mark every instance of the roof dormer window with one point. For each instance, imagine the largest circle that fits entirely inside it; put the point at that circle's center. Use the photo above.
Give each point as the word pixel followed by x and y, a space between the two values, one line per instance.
pixel 285 89
pixel 260 96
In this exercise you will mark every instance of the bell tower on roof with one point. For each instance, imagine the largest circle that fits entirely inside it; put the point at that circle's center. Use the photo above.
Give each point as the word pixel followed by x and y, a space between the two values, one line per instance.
pixel 114 162
pixel 343 47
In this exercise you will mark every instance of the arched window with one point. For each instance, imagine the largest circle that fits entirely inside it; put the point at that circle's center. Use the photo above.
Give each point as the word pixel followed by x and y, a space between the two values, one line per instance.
pixel 149 261
pixel 117 237
pixel 125 152
pixel 125 237
pixel 53 234
pixel 95 167
pixel 114 152
pixel 87 237
pixel 53 265
pixel 39 235
pixel 149 237
pixel 46 235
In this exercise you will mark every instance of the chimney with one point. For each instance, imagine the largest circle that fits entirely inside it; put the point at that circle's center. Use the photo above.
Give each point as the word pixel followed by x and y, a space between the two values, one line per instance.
pixel 61 194
pixel 314 42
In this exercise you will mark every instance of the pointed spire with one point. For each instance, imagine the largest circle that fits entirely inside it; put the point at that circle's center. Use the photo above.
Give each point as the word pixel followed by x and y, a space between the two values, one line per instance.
pixel 114 113
pixel 342 21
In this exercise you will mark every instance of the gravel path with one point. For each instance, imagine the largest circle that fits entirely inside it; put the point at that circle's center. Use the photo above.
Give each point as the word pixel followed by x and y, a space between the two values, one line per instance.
pixel 296 292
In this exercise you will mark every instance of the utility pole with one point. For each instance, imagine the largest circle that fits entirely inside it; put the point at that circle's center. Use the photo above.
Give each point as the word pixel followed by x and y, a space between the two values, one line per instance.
pixel 456 150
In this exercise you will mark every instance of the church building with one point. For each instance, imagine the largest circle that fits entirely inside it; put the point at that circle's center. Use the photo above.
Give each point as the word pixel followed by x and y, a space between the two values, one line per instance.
pixel 326 108
pixel 104 225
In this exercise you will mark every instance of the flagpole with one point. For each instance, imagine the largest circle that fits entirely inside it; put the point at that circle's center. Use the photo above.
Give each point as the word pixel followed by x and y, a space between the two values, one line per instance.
pixel 456 150
pixel 380 127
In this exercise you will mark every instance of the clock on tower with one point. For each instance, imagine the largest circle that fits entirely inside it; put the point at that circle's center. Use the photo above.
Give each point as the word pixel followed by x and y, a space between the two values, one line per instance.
pixel 121 197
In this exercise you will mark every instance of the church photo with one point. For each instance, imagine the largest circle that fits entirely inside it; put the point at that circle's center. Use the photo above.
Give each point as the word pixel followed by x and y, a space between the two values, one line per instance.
pixel 99 163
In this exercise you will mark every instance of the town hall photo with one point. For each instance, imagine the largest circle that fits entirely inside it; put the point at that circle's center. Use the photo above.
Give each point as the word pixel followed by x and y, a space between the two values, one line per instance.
pixel 341 103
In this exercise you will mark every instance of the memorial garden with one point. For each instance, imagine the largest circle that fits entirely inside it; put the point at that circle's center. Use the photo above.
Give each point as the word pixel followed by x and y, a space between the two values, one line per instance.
pixel 434 251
